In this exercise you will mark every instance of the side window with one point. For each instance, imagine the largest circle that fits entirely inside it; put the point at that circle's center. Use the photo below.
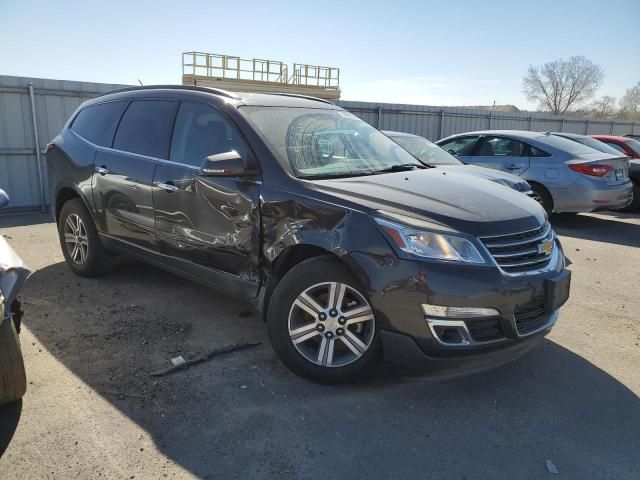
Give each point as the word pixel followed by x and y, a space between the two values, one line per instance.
pixel 201 131
pixel 536 152
pixel 460 145
pixel 145 128
pixel 502 147
pixel 616 146
pixel 97 123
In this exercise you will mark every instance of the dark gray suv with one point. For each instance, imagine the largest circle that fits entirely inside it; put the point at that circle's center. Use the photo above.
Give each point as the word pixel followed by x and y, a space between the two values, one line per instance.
pixel 349 246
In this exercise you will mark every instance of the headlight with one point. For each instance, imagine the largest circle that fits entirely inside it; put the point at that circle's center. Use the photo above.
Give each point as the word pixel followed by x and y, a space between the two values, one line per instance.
pixel 423 243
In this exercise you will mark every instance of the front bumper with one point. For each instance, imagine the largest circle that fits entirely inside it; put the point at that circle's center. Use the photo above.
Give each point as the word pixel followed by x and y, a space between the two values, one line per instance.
pixel 589 195
pixel 526 309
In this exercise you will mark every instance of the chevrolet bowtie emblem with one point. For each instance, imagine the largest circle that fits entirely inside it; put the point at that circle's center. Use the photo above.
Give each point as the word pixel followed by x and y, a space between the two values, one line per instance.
pixel 546 247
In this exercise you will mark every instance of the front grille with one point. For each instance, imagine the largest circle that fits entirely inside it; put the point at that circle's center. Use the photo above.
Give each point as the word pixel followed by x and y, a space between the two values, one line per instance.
pixel 485 329
pixel 521 252
pixel 530 318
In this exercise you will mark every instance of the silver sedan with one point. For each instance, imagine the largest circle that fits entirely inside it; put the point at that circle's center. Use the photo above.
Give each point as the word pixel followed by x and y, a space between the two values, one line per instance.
pixel 566 176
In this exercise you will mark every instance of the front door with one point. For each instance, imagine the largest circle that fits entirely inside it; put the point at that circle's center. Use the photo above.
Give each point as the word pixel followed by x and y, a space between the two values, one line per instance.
pixel 122 185
pixel 210 222
pixel 501 153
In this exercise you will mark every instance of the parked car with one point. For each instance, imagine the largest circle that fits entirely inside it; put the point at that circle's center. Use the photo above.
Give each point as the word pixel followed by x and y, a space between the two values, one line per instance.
pixel 565 175
pixel 13 273
pixel 431 154
pixel 347 244
pixel 634 163
pixel 628 146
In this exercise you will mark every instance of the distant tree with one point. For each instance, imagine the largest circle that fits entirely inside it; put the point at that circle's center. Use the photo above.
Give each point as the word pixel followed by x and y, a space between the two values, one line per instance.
pixel 630 103
pixel 561 85
pixel 604 107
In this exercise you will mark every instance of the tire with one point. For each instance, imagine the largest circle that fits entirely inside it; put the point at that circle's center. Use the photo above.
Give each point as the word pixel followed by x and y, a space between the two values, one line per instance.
pixel 91 259
pixel 13 379
pixel 329 346
pixel 543 197
pixel 635 200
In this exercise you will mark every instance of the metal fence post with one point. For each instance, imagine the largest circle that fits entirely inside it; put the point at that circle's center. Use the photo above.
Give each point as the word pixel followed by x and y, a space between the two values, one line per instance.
pixel 379 118
pixel 611 129
pixel 490 120
pixel 530 123
pixel 586 127
pixel 441 129
pixel 34 118
pixel 562 126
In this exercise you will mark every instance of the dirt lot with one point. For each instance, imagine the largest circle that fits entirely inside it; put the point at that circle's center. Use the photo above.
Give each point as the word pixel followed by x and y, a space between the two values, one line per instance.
pixel 92 410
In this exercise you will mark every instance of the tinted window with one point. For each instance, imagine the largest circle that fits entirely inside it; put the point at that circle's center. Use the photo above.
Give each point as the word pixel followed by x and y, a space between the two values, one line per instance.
pixel 97 123
pixel 502 147
pixel 595 144
pixel 201 131
pixel 616 146
pixel 634 145
pixel 145 128
pixel 536 152
pixel 459 145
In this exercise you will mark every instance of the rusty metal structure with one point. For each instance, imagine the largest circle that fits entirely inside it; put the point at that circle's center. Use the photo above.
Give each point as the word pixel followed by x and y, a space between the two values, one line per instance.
pixel 259 75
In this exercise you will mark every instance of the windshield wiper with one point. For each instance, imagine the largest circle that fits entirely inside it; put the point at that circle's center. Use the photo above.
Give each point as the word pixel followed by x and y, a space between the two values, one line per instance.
pixel 402 167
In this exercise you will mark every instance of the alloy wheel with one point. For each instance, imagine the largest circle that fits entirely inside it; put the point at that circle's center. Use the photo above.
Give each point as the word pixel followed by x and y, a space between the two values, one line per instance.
pixel 331 324
pixel 76 239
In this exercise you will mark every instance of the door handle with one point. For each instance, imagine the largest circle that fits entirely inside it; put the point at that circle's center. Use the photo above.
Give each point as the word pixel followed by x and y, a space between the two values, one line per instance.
pixel 102 170
pixel 168 187
pixel 513 166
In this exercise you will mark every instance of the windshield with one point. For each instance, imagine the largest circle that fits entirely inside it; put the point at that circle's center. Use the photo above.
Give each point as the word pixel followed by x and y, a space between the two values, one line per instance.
pixel 314 143
pixel 634 145
pixel 596 144
pixel 424 150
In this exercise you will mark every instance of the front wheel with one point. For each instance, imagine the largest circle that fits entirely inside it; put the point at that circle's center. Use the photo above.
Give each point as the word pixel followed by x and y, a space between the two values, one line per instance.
pixel 321 324
pixel 13 379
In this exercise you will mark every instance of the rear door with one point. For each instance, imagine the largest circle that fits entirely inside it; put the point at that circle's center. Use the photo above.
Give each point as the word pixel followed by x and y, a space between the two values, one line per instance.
pixel 124 173
pixel 210 222
pixel 501 153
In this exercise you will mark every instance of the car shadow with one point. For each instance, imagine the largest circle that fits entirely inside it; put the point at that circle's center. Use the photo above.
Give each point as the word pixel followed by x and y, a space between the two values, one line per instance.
pixel 244 415
pixel 598 229
pixel 8 219
pixel 9 419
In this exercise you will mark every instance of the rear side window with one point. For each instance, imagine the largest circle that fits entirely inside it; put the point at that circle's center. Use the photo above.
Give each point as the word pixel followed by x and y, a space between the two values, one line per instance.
pixel 502 147
pixel 459 145
pixel 97 123
pixel 201 131
pixel 145 128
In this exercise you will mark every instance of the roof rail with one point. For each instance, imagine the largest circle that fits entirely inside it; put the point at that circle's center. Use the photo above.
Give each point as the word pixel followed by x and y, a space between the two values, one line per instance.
pixel 296 95
pixel 197 88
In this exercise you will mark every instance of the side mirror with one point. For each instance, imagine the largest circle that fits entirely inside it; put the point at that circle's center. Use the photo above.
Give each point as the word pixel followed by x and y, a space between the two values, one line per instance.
pixel 228 164
pixel 4 198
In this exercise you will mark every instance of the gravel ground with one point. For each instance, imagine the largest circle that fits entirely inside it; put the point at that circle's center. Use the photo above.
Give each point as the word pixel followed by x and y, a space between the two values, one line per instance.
pixel 92 410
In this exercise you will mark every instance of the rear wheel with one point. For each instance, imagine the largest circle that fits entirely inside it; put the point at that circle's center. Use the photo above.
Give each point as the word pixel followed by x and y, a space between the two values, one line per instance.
pixel 635 199
pixel 321 325
pixel 13 379
pixel 79 240
pixel 543 197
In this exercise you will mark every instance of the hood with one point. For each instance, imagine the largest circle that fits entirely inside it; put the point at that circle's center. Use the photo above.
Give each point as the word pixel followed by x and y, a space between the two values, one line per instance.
pixel 503 178
pixel 466 203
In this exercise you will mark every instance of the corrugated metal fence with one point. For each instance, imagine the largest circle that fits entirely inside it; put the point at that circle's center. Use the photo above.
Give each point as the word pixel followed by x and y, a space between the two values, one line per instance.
pixel 435 123
pixel 24 179
pixel 53 103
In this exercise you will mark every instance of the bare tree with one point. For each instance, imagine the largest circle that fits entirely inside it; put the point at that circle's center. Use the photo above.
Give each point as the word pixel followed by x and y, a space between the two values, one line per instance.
pixel 630 103
pixel 562 84
pixel 604 107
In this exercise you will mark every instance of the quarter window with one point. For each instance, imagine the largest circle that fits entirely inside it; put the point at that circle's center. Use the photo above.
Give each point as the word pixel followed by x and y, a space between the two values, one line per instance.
pixel 96 123
pixel 502 147
pixel 536 152
pixel 145 128
pixel 201 131
pixel 616 146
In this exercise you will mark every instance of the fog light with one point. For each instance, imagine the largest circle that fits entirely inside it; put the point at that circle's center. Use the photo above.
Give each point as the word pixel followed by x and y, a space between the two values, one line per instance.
pixel 438 311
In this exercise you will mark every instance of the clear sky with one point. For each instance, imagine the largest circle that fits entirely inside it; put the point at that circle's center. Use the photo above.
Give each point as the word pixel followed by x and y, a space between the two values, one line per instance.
pixel 446 52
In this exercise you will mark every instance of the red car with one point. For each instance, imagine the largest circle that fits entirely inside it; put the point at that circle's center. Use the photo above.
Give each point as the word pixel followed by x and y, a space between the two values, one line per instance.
pixel 631 148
